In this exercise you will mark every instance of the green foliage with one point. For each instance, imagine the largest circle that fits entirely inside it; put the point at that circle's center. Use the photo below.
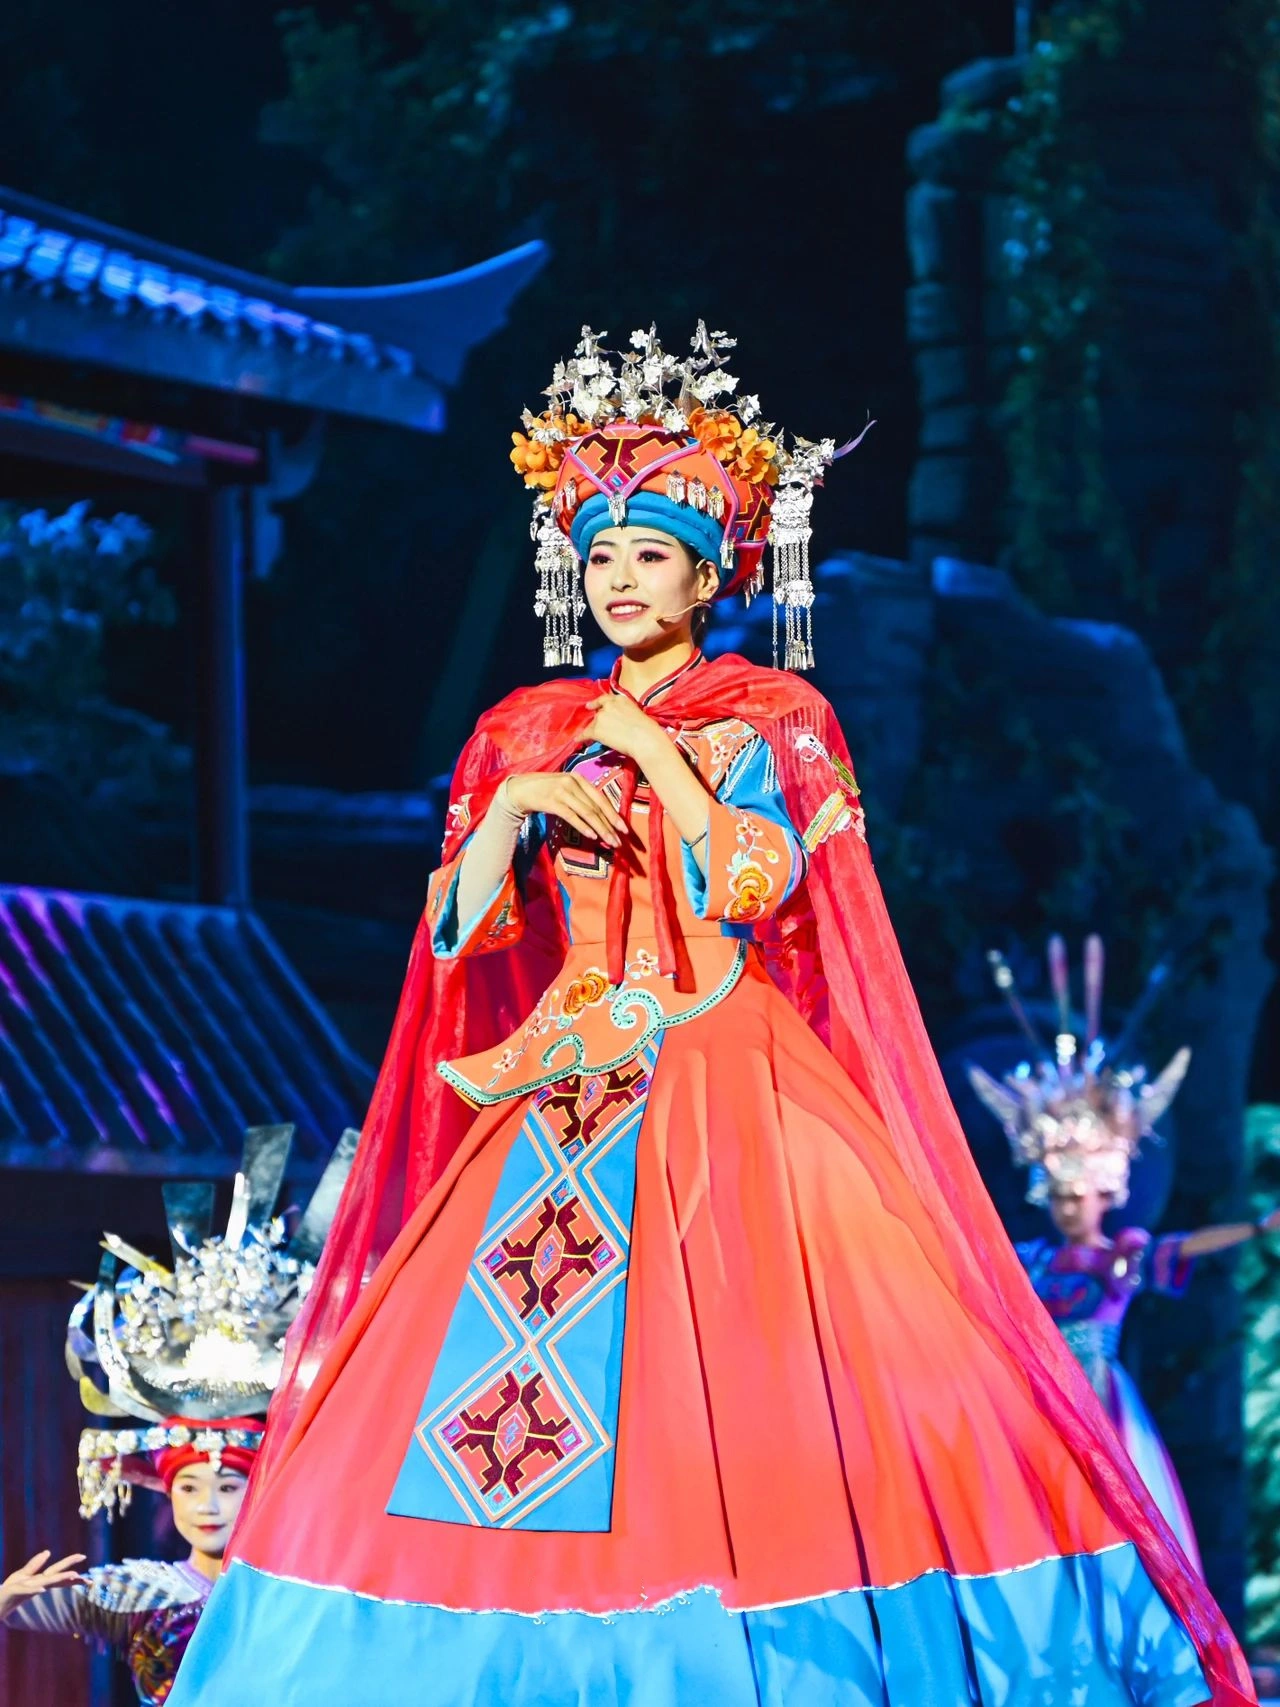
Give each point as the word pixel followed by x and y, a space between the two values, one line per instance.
pixel 65 581
pixel 1055 259
pixel 438 127
pixel 1258 1277
pixel 684 161
pixel 1058 300
pixel 123 111
pixel 1066 346
pixel 43 109
pixel 1239 665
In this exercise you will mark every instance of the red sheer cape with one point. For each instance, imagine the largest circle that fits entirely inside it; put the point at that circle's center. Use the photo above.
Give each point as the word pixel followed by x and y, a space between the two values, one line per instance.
pixel 834 955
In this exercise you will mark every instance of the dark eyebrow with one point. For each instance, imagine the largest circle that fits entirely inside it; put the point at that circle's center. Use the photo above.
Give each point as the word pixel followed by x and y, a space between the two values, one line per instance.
pixel 644 539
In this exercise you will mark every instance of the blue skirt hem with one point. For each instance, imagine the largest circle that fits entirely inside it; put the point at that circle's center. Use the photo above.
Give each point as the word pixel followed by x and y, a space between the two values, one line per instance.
pixel 1090 1628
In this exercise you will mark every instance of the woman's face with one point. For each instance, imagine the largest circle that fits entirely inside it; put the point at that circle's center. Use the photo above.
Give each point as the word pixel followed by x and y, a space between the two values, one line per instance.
pixel 641 585
pixel 206 1503
pixel 1078 1214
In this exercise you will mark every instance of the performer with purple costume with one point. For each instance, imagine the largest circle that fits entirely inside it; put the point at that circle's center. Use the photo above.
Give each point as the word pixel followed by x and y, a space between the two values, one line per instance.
pixel 1076 1119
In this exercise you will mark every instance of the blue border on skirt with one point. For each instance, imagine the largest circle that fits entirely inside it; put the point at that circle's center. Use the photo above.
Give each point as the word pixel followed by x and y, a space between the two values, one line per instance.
pixel 1084 1631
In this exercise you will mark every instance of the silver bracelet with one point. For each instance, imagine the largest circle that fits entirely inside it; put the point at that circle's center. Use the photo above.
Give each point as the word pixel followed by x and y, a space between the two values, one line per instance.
pixel 702 838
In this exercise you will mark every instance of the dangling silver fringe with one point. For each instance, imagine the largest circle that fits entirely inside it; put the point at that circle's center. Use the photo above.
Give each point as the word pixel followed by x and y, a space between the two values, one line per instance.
pixel 559 597
pixel 754 585
pixel 789 534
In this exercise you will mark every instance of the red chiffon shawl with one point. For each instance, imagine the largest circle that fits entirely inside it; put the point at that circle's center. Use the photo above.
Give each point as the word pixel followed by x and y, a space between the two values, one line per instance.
pixel 833 953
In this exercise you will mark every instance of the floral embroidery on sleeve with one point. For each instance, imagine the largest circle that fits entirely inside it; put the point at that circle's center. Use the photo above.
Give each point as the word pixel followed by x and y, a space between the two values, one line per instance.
pixel 754 859
pixel 750 885
pixel 842 809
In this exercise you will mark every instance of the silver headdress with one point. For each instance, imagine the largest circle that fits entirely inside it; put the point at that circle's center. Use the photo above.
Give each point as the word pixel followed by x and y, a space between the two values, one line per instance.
pixel 1076 1115
pixel 179 1351
pixel 695 442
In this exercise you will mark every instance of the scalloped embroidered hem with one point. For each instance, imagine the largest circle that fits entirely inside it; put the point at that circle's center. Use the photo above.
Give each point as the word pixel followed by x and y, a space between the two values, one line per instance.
pixel 623 997
pixel 1089 1627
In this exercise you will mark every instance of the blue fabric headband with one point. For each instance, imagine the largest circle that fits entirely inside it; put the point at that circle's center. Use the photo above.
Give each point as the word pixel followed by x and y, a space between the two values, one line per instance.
pixel 694 528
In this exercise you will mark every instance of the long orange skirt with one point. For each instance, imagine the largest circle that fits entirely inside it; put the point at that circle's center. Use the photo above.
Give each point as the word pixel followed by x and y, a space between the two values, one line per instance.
pixel 806 1408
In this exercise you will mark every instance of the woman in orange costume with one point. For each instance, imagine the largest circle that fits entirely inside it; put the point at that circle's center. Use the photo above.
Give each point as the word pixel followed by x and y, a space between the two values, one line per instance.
pixel 698 1367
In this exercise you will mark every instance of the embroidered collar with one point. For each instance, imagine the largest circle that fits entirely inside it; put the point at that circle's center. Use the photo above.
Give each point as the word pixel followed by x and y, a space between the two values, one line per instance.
pixel 662 687
pixel 196 1578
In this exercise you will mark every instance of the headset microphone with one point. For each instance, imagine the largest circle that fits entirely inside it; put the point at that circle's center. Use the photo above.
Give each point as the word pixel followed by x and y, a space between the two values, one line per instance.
pixel 674 616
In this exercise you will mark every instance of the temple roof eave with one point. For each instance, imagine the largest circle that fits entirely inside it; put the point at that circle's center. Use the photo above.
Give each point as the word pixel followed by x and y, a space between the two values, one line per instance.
pixel 77 291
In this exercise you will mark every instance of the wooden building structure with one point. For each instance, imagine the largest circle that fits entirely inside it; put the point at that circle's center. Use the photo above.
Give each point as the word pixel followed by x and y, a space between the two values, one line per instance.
pixel 138 1038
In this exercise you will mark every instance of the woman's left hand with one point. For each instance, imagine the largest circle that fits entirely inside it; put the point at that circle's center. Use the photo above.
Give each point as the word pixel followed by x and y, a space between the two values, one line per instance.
pixel 621 725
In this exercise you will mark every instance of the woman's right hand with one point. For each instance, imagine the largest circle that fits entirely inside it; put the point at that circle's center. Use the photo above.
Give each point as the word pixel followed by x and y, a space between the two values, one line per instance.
pixel 561 794
pixel 35 1577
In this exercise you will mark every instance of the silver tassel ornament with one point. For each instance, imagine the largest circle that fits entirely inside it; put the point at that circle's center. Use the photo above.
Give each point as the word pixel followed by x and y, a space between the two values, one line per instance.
pixel 559 597
pixel 789 534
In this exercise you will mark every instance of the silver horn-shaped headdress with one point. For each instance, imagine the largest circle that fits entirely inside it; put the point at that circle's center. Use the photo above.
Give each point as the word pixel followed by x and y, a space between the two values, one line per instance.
pixel 202 1341
pixel 1077 1113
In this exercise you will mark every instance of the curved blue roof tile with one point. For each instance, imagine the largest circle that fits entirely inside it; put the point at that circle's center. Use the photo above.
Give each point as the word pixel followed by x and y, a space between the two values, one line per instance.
pixel 143 1037
pixel 383 352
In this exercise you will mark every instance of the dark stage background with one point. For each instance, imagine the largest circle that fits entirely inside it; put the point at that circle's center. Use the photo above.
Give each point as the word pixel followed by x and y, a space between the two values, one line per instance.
pixel 1039 244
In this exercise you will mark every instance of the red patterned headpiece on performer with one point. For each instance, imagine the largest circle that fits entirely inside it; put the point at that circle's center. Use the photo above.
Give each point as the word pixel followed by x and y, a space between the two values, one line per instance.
pixel 115 1461
pixel 232 1444
pixel 640 437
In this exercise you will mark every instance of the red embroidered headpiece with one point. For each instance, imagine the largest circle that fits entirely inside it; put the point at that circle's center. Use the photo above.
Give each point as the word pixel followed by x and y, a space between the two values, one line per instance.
pixel 233 1443
pixel 672 480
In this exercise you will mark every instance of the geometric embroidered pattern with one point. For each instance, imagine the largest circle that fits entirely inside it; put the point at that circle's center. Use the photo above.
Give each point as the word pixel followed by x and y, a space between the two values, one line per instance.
pixel 514 1422
pixel 520 1418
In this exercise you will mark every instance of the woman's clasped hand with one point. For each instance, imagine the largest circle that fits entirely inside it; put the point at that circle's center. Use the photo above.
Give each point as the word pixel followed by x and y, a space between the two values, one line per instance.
pixel 560 794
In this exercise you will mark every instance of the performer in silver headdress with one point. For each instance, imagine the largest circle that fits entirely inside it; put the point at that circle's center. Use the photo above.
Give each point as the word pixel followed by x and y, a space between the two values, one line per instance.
pixel 1076 1116
pixel 186 1359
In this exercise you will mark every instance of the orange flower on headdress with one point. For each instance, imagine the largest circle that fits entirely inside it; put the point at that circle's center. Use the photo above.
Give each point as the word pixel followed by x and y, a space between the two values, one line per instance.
pixel 743 451
pixel 756 461
pixel 538 460
pixel 716 430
